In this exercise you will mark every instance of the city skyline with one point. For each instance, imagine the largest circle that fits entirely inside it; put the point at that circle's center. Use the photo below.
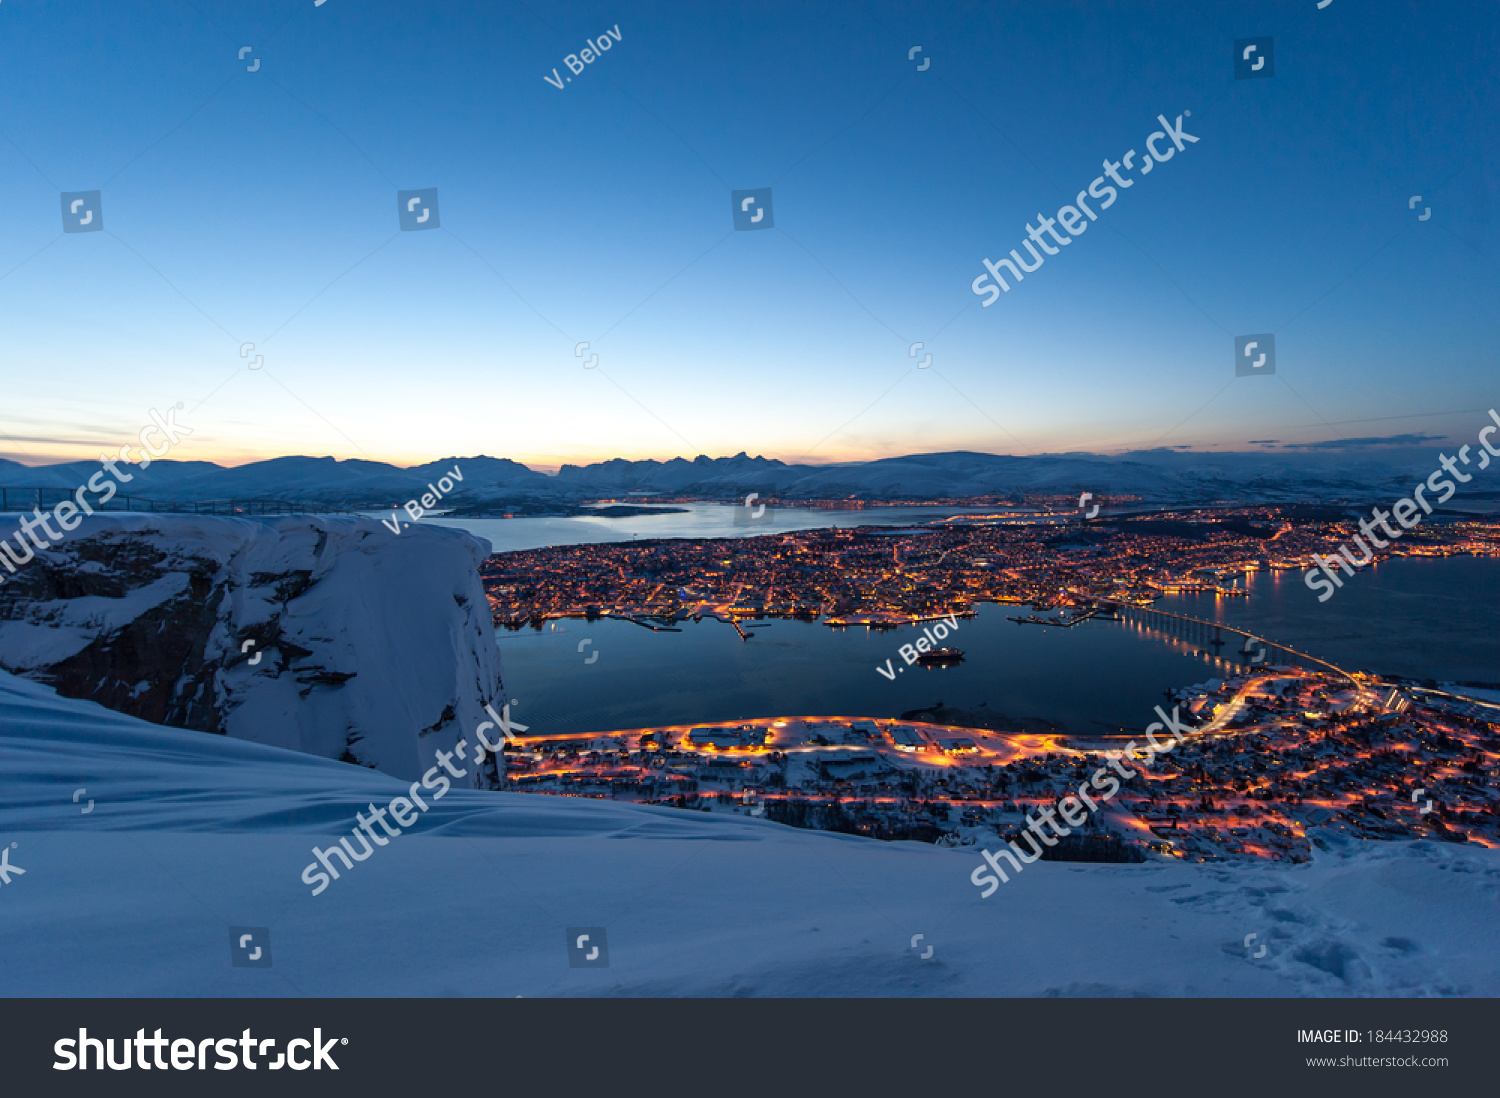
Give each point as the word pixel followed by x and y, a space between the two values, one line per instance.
pixel 248 200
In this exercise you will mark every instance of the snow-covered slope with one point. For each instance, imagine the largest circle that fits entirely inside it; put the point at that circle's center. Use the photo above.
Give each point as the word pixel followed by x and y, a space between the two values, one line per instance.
pixel 189 835
pixel 369 646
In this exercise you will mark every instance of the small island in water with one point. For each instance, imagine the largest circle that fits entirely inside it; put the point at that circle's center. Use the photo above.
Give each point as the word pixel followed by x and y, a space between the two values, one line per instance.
pixel 629 510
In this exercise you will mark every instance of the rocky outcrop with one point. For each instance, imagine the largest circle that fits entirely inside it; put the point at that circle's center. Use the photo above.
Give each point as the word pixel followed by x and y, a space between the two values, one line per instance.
pixel 326 635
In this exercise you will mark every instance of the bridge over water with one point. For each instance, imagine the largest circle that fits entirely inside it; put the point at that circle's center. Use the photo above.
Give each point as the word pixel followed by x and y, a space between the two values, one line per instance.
pixel 1211 633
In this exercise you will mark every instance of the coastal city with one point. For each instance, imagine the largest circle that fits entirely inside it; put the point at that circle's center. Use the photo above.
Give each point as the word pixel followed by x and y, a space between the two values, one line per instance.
pixel 1282 752
pixel 1273 755
pixel 879 577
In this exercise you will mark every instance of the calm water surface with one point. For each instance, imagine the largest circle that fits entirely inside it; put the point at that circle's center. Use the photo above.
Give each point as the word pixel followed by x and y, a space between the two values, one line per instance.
pixel 1426 618
pixel 1094 678
pixel 697 520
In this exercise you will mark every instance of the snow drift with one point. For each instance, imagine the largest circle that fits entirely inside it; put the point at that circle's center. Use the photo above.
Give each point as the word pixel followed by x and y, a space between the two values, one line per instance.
pixel 142 845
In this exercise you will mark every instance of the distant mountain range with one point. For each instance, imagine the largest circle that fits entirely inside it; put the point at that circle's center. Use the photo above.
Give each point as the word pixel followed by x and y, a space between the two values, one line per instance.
pixel 1165 476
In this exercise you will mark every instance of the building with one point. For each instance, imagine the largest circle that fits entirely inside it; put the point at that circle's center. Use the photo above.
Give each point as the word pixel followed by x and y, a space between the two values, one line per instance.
pixel 906 738
pixel 727 739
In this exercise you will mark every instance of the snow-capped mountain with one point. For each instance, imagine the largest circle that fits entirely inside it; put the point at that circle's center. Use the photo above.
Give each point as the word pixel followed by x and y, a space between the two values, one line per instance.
pixel 1156 475
pixel 332 636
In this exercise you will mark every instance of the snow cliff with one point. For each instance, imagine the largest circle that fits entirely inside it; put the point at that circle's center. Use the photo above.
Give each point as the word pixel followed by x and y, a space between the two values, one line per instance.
pixel 326 635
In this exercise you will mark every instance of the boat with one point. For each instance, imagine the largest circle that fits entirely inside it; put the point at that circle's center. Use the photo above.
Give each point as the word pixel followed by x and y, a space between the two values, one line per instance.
pixel 941 657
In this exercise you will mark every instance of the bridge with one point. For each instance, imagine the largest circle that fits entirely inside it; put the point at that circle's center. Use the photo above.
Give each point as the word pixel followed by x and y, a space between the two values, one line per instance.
pixel 1211 633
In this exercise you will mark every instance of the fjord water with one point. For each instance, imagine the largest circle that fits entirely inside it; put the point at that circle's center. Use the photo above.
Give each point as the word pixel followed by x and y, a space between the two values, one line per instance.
pixel 1092 679
pixel 1419 617
pixel 695 520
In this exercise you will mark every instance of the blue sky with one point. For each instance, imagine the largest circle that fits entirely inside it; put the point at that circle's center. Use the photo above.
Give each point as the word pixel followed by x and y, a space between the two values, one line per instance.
pixel 260 207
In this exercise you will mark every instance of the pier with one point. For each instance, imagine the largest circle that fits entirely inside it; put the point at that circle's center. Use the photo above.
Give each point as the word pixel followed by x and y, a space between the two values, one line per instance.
pixel 1063 623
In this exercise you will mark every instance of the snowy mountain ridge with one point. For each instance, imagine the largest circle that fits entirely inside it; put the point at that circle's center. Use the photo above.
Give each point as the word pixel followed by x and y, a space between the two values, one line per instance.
pixel 1160 475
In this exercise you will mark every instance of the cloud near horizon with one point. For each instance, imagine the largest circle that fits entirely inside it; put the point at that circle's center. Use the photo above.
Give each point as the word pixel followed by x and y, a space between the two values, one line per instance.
pixel 1366 443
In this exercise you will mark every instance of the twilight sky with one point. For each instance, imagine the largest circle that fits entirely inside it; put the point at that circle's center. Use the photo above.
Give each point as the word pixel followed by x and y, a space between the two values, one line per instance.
pixel 260 207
